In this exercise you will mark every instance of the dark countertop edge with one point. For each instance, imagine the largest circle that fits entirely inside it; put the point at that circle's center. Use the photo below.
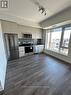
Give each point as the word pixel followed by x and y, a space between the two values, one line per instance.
pixel 28 46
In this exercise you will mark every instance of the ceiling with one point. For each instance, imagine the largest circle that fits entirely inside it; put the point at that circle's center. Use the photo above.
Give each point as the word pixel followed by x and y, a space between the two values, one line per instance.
pixel 27 10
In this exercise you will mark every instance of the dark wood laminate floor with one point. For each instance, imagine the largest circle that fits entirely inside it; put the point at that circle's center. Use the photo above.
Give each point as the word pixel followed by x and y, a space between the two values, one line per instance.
pixel 38 75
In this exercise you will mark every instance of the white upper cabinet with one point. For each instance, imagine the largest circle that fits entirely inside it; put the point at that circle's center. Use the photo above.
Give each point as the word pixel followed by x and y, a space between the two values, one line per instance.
pixel 36 33
pixel 10 27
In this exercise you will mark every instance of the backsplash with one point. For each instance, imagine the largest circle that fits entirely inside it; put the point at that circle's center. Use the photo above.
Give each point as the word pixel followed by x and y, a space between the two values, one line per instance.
pixel 30 41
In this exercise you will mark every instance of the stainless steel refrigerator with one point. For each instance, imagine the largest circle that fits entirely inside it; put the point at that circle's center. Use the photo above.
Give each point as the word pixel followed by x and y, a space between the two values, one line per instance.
pixel 11 43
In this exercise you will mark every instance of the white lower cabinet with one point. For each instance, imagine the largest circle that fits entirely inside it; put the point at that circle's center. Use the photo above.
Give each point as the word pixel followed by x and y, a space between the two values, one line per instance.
pixel 21 51
pixel 38 48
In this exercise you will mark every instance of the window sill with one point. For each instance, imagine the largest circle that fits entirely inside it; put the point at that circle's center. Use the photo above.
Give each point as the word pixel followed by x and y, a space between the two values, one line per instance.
pixel 57 52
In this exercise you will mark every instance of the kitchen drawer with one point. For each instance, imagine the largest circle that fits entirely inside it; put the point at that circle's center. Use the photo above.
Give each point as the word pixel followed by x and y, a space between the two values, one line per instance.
pixel 21 49
pixel 21 54
pixel 38 48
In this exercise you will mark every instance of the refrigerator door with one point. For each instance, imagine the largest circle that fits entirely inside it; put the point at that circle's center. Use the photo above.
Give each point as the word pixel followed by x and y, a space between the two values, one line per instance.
pixel 12 44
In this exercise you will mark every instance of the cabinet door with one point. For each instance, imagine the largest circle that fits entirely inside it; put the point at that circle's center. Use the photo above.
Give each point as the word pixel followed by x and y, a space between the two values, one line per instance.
pixel 40 47
pixel 35 49
pixel 21 54
pixel 21 51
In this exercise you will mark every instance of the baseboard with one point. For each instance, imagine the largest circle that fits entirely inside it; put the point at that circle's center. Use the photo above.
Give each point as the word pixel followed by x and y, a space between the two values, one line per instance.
pixel 57 58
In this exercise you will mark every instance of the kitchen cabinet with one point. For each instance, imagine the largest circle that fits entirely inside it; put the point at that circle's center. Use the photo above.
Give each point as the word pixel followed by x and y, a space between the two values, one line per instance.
pixel 25 50
pixel 38 48
pixel 21 51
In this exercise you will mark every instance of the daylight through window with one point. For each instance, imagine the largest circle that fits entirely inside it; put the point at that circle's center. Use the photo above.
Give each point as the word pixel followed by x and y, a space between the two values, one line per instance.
pixel 58 39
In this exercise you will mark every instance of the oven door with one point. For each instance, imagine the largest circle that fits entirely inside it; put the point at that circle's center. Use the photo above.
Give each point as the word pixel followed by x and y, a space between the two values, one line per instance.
pixel 28 49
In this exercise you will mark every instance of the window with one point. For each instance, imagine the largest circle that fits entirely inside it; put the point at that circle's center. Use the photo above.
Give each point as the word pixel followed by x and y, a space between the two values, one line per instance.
pixel 65 40
pixel 58 39
pixel 66 37
pixel 54 39
pixel 47 43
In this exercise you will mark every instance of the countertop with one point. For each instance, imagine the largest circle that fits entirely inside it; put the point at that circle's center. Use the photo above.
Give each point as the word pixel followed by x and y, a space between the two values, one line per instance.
pixel 26 45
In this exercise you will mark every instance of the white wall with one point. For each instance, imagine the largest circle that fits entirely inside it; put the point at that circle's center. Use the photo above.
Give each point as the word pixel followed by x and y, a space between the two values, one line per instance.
pixel 3 60
pixel 11 27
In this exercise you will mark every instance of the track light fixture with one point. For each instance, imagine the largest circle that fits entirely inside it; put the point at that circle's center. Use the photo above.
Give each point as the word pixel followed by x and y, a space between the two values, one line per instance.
pixel 42 10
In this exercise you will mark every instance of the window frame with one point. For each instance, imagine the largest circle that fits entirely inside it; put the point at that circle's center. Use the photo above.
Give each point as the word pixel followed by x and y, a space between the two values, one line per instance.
pixel 61 40
pixel 63 30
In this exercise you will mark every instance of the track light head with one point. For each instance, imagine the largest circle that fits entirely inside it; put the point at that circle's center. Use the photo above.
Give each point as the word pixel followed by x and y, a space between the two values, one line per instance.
pixel 42 10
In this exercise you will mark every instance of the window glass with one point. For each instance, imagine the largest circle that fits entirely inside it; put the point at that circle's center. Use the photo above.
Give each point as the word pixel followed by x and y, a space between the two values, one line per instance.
pixel 58 40
pixel 65 42
pixel 66 37
pixel 55 39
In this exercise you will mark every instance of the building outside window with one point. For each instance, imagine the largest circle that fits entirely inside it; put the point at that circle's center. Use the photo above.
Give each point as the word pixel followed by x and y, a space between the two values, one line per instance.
pixel 65 40
pixel 55 39
pixel 58 39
